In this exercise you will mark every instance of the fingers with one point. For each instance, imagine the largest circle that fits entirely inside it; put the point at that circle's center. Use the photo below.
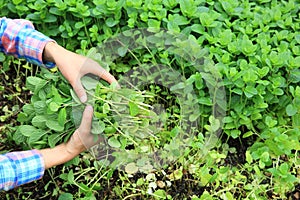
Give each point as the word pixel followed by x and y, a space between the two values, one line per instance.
pixel 96 69
pixel 102 73
pixel 86 122
pixel 84 131
pixel 90 66
pixel 105 75
pixel 81 139
pixel 80 91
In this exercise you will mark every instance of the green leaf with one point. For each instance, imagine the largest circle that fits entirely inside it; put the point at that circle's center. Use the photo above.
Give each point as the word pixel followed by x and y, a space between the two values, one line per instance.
pixel 114 142
pixel 229 196
pixel 198 28
pixel 160 194
pixel 188 7
pixel 106 108
pixel 110 22
pixel 284 168
pixel 297 38
pixel 62 116
pixel 173 27
pixel 248 134
pixel 296 120
pixel 250 91
pixel 2 57
pixel 74 161
pixel 225 37
pixel 110 130
pixel 205 196
pixel 131 168
pixel 54 125
pixel 89 83
pixel 214 123
pixel 176 174
pixel 193 117
pixel 249 158
pixel 35 83
pixel 36 135
pixel 247 47
pixel 100 115
pixel 28 109
pixel 270 122
pixel 154 24
pixel 98 127
pixel 27 130
pixel 39 121
pixel 71 176
pixel 278 91
pixel 53 106
pixel 65 196
pixel 39 107
pixel 78 25
pixel 122 51
pixel 178 86
pixel 295 75
pixel 22 117
pixel 53 139
pixel 178 19
pixel 133 108
pixel 291 110
pixel 235 133
pixel 263 71
pixel 74 97
pixel 205 19
pixel 265 157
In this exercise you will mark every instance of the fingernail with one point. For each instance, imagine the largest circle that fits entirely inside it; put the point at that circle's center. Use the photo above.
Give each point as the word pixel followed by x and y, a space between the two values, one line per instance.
pixel 83 99
pixel 89 107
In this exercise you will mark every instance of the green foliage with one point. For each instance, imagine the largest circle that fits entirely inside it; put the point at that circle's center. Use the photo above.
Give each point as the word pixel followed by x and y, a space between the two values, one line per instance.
pixel 46 115
pixel 255 46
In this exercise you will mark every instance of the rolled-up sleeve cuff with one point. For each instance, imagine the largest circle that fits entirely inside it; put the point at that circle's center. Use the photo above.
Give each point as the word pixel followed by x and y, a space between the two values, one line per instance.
pixel 19 38
pixel 34 46
pixel 28 166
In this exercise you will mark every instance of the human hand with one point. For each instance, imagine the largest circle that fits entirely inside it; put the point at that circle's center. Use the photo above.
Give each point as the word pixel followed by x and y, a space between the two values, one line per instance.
pixel 81 140
pixel 73 66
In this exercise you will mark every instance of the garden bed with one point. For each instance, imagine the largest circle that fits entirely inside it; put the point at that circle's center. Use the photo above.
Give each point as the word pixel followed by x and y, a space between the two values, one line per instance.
pixel 236 68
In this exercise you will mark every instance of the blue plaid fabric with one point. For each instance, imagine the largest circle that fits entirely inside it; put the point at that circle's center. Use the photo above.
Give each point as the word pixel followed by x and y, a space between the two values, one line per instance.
pixel 19 38
pixel 17 168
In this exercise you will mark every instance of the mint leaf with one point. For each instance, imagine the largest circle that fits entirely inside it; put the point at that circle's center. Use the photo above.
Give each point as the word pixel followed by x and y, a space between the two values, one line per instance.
pixel 114 142
pixel 133 109
pixel 54 125
pixel 291 110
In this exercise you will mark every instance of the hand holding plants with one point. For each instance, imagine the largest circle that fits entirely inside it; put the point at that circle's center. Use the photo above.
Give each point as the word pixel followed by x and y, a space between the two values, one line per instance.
pixel 74 66
pixel 81 140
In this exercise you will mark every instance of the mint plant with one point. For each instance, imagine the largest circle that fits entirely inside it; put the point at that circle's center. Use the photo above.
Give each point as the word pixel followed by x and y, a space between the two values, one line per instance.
pixel 255 50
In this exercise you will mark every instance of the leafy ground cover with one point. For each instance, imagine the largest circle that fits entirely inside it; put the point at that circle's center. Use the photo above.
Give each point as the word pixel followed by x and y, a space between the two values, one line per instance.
pixel 254 46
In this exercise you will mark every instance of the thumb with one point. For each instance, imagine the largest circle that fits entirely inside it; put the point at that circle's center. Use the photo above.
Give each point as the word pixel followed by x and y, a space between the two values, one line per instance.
pixel 82 139
pixel 84 131
pixel 86 121
pixel 80 91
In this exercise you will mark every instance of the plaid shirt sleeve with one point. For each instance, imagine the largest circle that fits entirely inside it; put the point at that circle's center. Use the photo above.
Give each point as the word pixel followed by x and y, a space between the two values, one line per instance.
pixel 19 38
pixel 17 168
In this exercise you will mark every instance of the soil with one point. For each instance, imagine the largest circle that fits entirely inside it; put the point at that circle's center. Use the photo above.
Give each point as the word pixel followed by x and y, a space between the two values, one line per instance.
pixel 12 93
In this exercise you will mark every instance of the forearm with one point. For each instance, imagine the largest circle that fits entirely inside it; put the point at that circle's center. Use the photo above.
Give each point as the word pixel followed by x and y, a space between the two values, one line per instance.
pixel 53 52
pixel 63 152
pixel 57 54
pixel 55 156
